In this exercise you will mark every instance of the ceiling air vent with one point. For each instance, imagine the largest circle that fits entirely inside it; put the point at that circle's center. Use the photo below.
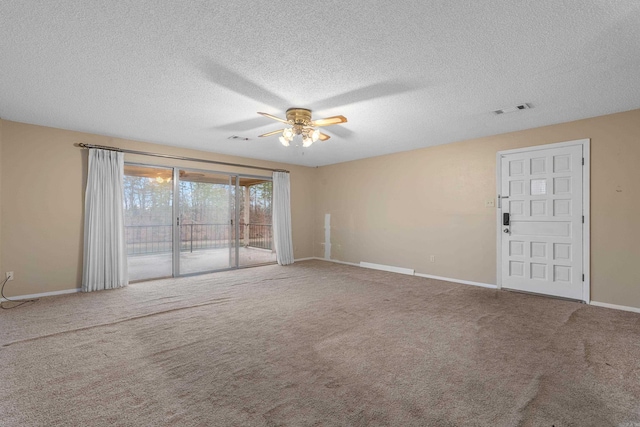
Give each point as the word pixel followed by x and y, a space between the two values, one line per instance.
pixel 513 109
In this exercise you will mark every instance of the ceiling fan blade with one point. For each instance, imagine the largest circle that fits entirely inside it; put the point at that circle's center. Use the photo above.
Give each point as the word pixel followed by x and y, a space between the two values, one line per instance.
pixel 334 120
pixel 243 125
pixel 232 80
pixel 342 132
pixel 376 90
pixel 274 117
pixel 271 133
pixel 323 136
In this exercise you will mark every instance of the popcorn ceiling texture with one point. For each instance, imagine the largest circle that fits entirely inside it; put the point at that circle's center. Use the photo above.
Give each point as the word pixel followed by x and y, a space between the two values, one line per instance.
pixel 406 74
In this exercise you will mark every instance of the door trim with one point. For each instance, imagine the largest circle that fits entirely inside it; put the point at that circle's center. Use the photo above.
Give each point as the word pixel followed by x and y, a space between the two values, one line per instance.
pixel 586 211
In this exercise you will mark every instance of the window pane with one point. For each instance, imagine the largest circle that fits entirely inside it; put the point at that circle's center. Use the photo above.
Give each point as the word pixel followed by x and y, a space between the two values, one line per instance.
pixel 148 227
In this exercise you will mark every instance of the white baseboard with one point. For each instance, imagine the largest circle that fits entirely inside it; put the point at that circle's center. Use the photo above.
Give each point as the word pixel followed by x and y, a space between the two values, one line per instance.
pixel 42 295
pixel 304 259
pixel 464 282
pixel 390 268
pixel 469 282
pixel 329 260
pixel 426 276
pixel 339 262
pixel 615 307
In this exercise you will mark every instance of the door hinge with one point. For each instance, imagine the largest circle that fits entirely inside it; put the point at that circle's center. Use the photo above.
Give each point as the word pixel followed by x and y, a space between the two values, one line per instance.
pixel 583 277
pixel 583 161
pixel 583 219
pixel 177 221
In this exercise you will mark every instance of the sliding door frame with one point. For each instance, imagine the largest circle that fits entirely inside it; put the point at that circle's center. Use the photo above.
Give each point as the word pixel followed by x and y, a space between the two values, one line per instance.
pixel 175 249
pixel 233 215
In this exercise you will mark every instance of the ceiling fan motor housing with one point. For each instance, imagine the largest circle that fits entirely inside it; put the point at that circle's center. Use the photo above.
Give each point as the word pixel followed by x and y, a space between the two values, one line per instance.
pixel 299 116
pixel 301 124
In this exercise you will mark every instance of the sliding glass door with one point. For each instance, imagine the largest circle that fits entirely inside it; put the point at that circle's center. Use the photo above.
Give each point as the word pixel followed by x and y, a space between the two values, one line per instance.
pixel 184 221
pixel 205 231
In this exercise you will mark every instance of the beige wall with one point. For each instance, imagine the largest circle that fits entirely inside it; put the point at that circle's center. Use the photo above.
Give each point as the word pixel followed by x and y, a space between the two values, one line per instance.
pixel 399 209
pixel 42 185
pixel 396 210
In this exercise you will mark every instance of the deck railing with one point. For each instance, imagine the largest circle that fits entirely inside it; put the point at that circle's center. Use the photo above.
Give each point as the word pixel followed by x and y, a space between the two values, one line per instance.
pixel 260 235
pixel 151 239
pixel 148 239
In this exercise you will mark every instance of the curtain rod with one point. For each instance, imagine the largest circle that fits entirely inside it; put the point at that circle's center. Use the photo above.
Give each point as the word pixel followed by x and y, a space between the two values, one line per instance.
pixel 169 156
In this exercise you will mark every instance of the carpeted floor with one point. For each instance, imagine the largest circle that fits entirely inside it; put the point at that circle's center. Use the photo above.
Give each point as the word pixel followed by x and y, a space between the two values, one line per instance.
pixel 316 344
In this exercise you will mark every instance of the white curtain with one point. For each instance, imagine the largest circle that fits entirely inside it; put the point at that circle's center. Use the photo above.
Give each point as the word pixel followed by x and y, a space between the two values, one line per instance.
pixel 282 218
pixel 105 256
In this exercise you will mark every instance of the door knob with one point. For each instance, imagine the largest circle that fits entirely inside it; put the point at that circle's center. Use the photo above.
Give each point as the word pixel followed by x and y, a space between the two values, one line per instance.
pixel 506 230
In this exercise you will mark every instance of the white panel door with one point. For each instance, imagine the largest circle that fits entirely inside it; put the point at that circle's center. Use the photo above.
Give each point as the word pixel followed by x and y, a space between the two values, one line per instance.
pixel 542 242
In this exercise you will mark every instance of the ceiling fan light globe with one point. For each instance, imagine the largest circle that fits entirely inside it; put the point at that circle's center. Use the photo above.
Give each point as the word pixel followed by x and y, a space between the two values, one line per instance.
pixel 315 135
pixel 306 142
pixel 288 133
pixel 284 141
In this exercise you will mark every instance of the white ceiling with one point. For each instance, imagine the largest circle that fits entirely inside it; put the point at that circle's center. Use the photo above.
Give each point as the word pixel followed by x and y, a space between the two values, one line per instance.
pixel 407 74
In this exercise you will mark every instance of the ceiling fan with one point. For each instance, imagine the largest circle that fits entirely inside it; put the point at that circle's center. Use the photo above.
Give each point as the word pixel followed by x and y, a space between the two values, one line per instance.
pixel 301 124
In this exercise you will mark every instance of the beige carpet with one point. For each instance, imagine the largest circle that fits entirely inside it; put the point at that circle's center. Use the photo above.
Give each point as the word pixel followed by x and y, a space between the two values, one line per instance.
pixel 316 344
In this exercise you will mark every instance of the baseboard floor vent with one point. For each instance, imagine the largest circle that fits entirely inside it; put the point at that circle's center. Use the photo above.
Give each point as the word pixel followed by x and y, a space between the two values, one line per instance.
pixel 390 268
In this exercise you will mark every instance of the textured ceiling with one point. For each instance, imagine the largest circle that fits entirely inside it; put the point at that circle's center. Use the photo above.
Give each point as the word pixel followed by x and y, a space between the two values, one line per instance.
pixel 407 74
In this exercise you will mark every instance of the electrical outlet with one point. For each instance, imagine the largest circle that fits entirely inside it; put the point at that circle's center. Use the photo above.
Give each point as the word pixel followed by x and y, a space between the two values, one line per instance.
pixel 432 258
pixel 489 204
pixel 9 275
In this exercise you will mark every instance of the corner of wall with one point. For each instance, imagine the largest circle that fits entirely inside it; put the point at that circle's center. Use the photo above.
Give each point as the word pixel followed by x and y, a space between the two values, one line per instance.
pixel 319 208
pixel 442 216
pixel 315 242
